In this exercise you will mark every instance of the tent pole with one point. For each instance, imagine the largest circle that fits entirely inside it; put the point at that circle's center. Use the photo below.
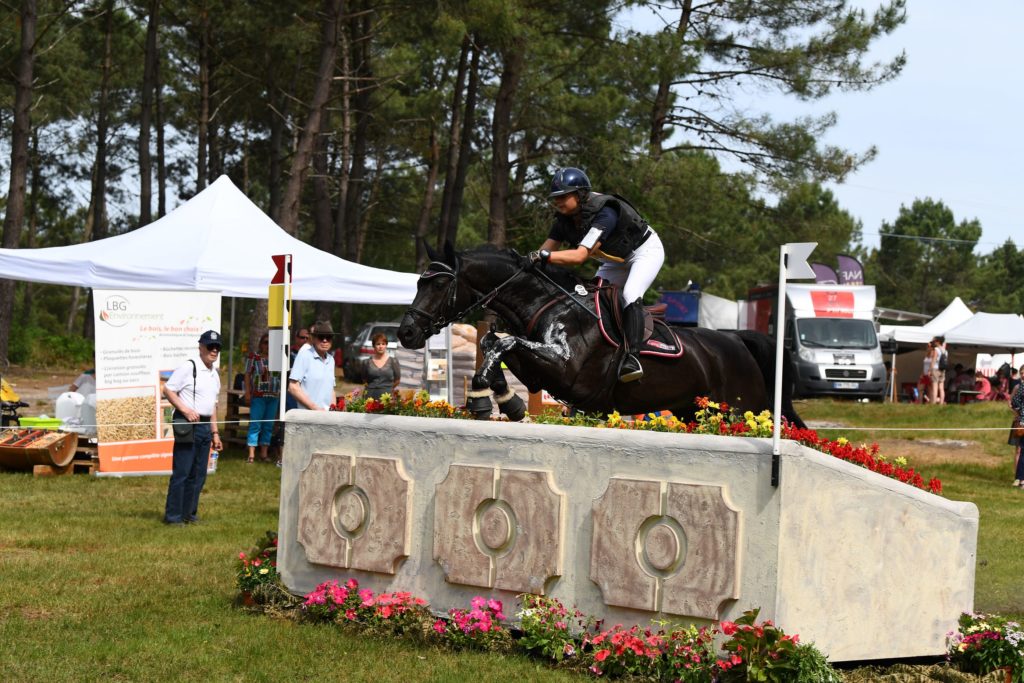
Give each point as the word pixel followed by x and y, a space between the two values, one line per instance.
pixel 892 378
pixel 231 347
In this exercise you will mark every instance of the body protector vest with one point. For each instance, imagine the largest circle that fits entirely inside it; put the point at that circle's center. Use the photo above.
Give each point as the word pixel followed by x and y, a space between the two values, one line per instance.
pixel 630 232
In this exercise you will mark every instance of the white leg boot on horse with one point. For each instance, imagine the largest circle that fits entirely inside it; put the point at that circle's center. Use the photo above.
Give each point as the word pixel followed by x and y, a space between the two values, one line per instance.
pixel 630 369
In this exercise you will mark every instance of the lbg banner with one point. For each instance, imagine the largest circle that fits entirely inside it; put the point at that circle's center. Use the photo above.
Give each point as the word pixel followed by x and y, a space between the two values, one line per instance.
pixel 141 337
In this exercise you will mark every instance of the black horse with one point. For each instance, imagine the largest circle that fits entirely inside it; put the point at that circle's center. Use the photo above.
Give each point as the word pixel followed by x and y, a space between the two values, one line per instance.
pixel 556 343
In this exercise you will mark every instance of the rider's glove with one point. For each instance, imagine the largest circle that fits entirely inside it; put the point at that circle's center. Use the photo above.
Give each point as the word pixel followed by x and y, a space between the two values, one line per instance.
pixel 538 257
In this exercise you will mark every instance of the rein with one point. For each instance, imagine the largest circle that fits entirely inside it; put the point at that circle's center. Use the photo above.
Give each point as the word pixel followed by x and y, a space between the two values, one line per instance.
pixel 439 269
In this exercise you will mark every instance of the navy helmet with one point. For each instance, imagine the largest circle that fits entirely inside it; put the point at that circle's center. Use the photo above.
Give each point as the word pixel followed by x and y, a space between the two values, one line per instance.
pixel 568 180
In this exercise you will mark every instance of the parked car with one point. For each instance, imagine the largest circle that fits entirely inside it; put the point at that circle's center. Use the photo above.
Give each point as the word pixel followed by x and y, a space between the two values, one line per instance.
pixel 361 347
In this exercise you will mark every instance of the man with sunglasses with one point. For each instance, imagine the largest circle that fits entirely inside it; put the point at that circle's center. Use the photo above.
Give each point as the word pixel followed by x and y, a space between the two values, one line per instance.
pixel 311 381
pixel 193 389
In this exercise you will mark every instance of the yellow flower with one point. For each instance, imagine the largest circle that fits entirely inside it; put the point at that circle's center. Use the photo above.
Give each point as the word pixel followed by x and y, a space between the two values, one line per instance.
pixel 842 441
pixel 901 461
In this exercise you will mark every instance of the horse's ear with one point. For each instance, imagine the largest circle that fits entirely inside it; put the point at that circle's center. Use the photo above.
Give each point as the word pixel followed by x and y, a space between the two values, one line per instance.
pixel 431 254
pixel 449 254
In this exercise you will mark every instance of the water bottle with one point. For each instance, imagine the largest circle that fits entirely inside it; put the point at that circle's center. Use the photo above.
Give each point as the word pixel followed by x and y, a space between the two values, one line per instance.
pixel 213 460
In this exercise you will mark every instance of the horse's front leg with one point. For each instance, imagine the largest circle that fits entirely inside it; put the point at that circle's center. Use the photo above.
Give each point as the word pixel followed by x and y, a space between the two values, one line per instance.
pixel 490 378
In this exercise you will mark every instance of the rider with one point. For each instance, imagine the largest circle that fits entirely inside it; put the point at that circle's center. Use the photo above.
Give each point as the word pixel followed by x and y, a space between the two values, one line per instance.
pixel 607 228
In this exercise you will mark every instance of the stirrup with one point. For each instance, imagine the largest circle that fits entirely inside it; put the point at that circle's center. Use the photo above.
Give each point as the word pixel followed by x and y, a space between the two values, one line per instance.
pixel 630 369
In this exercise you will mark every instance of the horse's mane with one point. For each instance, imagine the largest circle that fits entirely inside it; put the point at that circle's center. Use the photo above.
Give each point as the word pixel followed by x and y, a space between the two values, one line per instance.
pixel 564 277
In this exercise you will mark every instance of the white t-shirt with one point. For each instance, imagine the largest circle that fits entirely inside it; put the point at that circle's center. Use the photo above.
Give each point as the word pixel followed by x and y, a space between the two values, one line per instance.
pixel 85 384
pixel 207 386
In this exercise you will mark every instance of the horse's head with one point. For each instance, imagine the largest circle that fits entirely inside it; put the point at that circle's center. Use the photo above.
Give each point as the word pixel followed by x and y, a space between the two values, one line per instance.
pixel 454 284
pixel 434 304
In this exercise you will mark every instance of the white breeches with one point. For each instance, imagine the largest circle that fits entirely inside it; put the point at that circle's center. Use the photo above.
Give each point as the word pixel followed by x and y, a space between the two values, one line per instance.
pixel 637 272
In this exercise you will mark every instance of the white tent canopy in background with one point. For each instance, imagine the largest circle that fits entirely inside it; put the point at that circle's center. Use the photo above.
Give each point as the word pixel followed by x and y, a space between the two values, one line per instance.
pixel 218 241
pixel 993 332
pixel 954 314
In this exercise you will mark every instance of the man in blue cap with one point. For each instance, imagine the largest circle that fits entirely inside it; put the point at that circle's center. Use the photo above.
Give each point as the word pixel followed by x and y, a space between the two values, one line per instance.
pixel 193 389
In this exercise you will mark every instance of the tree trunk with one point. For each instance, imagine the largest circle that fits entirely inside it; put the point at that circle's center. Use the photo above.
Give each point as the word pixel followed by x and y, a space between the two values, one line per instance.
pixel 423 225
pixel 146 115
pixel 513 59
pixel 468 122
pixel 321 92
pixel 659 110
pixel 204 99
pixel 454 135
pixel 361 106
pixel 28 311
pixel 344 145
pixel 99 185
pixel 161 159
pixel 20 132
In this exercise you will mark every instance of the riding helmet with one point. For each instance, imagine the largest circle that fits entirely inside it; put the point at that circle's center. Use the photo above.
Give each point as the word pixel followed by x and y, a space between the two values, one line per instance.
pixel 568 180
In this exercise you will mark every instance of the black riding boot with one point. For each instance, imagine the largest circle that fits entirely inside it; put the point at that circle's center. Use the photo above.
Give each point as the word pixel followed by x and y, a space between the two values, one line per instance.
pixel 630 369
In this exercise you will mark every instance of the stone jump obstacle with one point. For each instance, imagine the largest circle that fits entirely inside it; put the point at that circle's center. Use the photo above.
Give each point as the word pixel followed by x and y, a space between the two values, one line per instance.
pixel 627 526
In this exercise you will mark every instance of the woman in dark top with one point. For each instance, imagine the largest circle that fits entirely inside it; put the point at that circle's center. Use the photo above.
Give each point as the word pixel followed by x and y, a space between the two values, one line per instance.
pixel 381 372
pixel 1017 405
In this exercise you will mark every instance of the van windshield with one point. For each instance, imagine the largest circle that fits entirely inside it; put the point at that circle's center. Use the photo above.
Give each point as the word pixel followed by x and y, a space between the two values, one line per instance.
pixel 837 333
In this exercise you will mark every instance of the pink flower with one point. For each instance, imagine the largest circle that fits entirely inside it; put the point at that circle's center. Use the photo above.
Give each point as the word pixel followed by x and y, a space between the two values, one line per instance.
pixel 351 584
pixel 385 612
pixel 241 556
pixel 440 626
pixel 478 603
pixel 495 605
pixel 601 655
pixel 728 627
pixel 350 614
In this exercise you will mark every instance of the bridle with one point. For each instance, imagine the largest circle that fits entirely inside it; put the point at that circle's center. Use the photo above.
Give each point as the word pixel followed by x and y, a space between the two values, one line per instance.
pixel 435 324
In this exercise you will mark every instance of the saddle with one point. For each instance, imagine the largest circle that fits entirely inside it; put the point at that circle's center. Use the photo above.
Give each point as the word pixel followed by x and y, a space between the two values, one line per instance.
pixel 659 338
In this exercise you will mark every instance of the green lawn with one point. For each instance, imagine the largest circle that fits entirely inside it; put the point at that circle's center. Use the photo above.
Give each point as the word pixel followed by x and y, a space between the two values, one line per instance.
pixel 94 587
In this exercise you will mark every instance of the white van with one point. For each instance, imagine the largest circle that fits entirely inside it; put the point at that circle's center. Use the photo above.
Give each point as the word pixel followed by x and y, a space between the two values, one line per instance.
pixel 831 334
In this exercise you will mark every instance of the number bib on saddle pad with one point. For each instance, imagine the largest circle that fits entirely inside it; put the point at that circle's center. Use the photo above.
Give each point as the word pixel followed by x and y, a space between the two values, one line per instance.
pixel 659 337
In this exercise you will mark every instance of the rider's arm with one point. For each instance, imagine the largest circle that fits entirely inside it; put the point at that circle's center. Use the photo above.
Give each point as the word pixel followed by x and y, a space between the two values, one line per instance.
pixel 564 257
pixel 571 257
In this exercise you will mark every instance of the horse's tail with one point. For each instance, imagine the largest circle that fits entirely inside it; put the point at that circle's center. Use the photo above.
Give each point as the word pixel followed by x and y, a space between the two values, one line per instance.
pixel 762 348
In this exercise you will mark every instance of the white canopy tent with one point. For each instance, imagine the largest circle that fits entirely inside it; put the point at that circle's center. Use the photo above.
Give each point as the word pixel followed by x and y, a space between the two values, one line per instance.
pixel 989 332
pixel 954 314
pixel 218 241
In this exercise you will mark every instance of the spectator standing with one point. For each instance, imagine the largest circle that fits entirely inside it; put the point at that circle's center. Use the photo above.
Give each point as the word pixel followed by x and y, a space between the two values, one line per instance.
pixel 311 381
pixel 924 381
pixel 262 393
pixel 193 389
pixel 937 371
pixel 381 371
pixel 1017 405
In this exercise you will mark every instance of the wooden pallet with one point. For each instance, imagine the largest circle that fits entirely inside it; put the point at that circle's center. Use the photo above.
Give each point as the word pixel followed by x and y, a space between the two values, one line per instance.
pixel 77 466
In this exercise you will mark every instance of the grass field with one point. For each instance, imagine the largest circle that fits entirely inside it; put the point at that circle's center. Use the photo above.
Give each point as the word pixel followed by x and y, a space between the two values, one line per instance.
pixel 94 587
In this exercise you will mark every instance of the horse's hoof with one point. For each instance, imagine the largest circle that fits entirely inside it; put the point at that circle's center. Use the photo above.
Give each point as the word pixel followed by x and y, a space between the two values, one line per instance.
pixel 479 404
pixel 514 408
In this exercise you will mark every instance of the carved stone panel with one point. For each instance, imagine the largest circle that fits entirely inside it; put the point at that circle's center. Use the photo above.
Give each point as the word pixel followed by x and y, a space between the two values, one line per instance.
pixel 498 528
pixel 665 547
pixel 355 513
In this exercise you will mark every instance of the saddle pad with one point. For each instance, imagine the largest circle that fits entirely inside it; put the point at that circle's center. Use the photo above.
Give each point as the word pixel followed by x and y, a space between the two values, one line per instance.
pixel 659 338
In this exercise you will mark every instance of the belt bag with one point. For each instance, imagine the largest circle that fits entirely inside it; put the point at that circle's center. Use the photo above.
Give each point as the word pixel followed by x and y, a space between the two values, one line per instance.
pixel 184 431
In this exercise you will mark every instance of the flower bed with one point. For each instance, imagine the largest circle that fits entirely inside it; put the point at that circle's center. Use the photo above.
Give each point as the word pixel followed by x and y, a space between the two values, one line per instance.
pixel 710 418
pixel 548 630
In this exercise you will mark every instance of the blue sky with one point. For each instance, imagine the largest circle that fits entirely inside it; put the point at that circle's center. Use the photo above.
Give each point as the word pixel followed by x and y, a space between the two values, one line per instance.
pixel 949 127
